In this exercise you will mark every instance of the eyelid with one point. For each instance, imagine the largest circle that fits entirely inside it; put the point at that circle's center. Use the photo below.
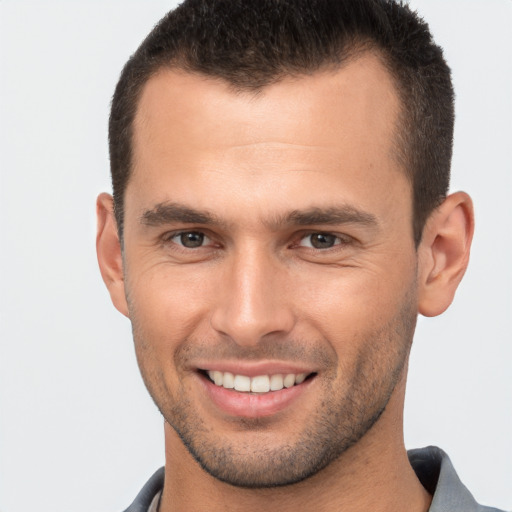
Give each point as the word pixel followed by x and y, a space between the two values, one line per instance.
pixel 341 239
pixel 168 237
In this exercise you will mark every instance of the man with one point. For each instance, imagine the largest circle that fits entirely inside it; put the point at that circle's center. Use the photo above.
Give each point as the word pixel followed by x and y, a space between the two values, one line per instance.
pixel 280 216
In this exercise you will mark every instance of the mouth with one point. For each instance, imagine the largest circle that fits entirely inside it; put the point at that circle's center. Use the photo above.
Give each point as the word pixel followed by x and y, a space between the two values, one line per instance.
pixel 255 396
pixel 258 384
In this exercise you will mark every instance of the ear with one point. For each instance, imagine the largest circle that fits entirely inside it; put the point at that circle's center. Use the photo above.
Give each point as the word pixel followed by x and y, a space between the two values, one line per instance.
pixel 444 253
pixel 108 249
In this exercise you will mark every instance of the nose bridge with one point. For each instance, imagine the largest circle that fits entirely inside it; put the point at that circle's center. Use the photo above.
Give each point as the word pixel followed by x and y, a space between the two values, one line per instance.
pixel 253 302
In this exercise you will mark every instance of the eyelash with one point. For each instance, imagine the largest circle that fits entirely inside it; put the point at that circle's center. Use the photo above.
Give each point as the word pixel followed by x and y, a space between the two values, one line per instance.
pixel 339 240
pixel 168 237
pixel 335 239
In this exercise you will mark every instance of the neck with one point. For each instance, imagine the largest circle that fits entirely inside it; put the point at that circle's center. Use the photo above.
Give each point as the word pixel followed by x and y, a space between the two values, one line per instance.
pixel 374 474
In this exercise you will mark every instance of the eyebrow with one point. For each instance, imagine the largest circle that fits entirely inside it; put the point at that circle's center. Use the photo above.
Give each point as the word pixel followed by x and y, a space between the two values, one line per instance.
pixel 170 212
pixel 334 215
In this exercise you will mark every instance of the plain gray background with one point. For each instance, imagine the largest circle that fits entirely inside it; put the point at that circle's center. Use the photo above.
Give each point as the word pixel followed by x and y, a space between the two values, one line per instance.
pixel 78 431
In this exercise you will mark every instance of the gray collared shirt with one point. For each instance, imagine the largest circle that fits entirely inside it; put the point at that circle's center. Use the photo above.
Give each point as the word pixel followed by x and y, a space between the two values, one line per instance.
pixel 435 471
pixel 432 466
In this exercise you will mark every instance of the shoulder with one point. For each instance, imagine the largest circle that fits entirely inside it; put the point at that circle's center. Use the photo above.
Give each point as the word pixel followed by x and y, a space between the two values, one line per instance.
pixel 152 487
pixel 437 474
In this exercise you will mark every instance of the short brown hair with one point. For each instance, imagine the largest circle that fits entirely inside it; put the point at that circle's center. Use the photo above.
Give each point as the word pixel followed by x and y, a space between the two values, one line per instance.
pixel 251 44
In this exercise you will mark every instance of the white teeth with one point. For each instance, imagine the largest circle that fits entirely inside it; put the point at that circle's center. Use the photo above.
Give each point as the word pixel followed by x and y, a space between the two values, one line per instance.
pixel 289 380
pixel 217 378
pixel 228 381
pixel 300 378
pixel 242 383
pixel 276 382
pixel 259 384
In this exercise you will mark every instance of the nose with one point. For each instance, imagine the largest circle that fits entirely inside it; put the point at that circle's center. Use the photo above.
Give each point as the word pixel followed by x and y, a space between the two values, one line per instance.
pixel 254 301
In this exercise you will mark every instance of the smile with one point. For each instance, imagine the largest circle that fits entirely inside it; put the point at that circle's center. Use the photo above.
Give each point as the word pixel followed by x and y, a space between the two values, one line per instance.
pixel 259 394
pixel 257 384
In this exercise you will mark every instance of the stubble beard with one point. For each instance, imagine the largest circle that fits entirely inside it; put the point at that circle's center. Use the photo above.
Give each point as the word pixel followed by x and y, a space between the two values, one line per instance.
pixel 342 417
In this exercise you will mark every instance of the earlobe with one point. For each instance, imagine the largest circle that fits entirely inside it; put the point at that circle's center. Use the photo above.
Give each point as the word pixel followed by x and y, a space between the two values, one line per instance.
pixel 108 249
pixel 444 253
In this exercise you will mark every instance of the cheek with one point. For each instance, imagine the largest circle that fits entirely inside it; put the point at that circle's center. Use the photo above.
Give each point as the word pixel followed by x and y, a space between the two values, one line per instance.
pixel 343 304
pixel 167 303
pixel 164 311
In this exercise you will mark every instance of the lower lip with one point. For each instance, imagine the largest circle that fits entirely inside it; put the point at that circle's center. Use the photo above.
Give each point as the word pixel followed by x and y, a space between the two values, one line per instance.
pixel 251 405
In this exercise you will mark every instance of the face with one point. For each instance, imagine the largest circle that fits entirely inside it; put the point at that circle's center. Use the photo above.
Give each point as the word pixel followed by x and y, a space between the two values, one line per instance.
pixel 269 266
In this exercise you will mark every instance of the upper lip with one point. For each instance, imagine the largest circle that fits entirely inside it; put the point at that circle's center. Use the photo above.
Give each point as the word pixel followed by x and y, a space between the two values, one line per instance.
pixel 253 369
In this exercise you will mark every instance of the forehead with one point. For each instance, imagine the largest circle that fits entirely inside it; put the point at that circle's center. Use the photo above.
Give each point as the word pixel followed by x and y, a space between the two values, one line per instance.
pixel 331 129
pixel 361 93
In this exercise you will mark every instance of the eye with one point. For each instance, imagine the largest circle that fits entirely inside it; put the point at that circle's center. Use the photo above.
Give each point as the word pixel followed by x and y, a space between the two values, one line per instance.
pixel 190 239
pixel 320 241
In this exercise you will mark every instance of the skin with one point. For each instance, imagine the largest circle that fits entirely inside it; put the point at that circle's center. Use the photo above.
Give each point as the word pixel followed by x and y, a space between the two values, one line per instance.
pixel 256 295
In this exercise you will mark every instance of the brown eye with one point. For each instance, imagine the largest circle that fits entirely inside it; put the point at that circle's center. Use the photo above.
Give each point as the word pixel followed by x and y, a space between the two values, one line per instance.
pixel 320 241
pixel 190 239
